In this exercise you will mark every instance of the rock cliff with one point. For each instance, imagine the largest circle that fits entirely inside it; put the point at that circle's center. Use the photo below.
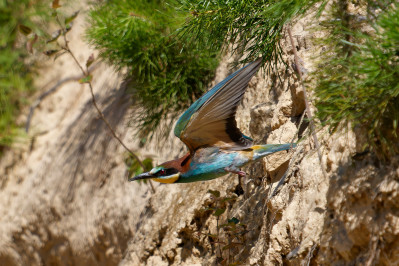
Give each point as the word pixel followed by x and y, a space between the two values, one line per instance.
pixel 65 199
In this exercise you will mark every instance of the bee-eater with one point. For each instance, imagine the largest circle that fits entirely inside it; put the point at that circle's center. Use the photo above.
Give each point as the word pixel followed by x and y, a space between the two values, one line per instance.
pixel 209 130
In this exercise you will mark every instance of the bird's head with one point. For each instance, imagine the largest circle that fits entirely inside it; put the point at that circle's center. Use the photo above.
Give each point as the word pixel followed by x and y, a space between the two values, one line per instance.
pixel 162 174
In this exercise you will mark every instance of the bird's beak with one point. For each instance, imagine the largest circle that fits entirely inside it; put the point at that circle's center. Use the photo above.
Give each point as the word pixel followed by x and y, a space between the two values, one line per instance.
pixel 141 176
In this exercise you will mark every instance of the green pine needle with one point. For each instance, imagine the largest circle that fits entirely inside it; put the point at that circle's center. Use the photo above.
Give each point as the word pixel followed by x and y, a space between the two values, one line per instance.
pixel 360 83
pixel 168 73
pixel 254 27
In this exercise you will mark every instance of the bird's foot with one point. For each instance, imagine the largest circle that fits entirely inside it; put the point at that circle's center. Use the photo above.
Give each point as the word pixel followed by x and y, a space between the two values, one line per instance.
pixel 235 170
pixel 241 173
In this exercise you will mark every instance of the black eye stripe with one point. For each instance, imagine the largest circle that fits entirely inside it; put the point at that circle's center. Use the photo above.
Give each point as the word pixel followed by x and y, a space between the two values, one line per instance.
pixel 166 172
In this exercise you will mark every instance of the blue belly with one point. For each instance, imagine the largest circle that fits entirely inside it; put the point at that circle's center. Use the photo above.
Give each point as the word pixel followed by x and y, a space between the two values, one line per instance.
pixel 209 163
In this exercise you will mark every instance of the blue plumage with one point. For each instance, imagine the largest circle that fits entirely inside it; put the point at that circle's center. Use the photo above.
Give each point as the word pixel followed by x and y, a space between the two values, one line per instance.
pixel 208 128
pixel 207 168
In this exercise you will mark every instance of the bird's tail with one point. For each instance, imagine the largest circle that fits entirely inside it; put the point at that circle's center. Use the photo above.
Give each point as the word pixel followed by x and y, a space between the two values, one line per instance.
pixel 260 151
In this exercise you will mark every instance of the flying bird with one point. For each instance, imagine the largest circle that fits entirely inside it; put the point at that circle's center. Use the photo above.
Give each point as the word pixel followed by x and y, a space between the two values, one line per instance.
pixel 209 130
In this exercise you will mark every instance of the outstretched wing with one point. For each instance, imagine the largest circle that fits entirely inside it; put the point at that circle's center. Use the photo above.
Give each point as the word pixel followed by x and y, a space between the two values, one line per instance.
pixel 211 119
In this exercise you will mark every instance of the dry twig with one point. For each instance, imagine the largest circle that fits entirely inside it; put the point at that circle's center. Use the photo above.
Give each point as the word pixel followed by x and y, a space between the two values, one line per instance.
pixel 86 73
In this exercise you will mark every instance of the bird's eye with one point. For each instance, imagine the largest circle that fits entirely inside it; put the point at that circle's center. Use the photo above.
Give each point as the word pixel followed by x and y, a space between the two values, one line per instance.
pixel 166 172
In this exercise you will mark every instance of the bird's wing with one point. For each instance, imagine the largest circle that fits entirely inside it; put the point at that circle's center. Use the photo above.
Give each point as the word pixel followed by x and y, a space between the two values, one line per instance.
pixel 210 121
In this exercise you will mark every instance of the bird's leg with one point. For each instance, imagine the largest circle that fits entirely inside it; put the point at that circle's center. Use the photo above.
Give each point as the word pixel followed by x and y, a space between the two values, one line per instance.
pixel 235 170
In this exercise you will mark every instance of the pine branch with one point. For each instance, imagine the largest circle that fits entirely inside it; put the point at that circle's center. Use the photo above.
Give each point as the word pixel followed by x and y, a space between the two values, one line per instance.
pixel 253 27
pixel 170 73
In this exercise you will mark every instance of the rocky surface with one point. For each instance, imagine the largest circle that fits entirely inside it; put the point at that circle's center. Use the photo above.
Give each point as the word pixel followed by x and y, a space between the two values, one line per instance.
pixel 65 200
pixel 64 196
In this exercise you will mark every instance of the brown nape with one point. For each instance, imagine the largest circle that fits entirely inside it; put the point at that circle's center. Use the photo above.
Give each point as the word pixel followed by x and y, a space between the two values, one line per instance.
pixel 182 164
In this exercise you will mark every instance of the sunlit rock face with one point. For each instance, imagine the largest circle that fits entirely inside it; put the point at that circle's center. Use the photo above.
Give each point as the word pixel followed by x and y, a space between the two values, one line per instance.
pixel 65 199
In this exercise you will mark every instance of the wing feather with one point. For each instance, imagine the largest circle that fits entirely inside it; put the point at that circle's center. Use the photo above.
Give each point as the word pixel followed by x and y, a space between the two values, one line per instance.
pixel 211 119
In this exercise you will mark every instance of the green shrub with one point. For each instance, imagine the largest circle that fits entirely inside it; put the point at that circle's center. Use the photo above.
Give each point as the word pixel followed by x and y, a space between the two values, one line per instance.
pixel 359 82
pixel 253 26
pixel 15 69
pixel 168 73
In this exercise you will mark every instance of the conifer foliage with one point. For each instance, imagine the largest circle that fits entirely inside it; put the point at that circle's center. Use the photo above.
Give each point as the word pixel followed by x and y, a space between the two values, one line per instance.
pixel 167 73
pixel 360 83
pixel 253 26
